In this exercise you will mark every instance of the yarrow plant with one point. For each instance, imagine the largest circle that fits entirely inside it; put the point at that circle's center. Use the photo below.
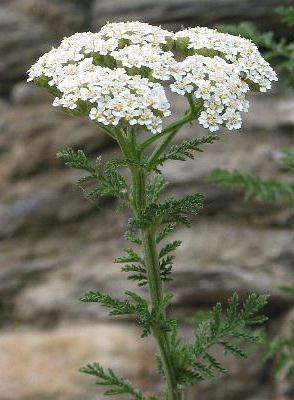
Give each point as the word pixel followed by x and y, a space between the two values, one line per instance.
pixel 119 78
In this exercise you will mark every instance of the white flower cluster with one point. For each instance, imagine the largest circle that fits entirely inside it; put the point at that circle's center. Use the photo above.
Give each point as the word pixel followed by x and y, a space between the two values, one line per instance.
pixel 130 99
pixel 235 49
pixel 116 76
pixel 136 33
pixel 160 63
pixel 112 95
pixel 218 85
pixel 71 50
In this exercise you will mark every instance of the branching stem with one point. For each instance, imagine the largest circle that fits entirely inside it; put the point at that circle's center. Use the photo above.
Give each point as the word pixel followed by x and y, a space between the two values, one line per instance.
pixel 154 282
pixel 169 133
pixel 131 149
pixel 134 151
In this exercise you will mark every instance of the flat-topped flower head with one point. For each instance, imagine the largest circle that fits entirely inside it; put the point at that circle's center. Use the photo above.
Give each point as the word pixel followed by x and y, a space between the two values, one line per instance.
pixel 111 96
pixel 234 49
pixel 119 75
pixel 218 85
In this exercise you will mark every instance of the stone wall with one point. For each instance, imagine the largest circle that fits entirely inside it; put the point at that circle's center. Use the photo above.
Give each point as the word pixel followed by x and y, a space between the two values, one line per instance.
pixel 55 245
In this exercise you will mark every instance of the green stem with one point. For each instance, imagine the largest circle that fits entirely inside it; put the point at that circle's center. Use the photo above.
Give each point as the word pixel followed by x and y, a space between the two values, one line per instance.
pixel 151 259
pixel 169 133
pixel 163 145
pixel 152 162
pixel 131 150
pixel 154 281
pixel 190 115
pixel 176 125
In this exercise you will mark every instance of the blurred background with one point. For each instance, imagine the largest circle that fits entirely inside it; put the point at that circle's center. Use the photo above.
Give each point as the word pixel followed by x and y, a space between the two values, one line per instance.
pixel 55 245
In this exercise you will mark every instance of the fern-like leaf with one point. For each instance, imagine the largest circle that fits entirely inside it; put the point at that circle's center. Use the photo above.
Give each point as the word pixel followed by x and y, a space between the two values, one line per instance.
pixel 169 247
pixel 185 150
pixel 171 211
pixel 117 384
pixel 227 330
pixel 117 307
pixel 254 186
pixel 101 179
pixel 155 187
pixel 166 230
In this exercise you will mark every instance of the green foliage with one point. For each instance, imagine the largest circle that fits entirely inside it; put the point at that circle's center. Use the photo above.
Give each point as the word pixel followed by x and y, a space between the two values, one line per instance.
pixel 179 211
pixel 254 186
pixel 132 237
pixel 227 330
pixel 117 307
pixel 154 188
pixel 268 190
pixel 136 273
pixel 102 178
pixel 287 14
pixel 166 260
pixel 287 157
pixel 75 159
pixel 278 50
pixel 137 306
pixel 131 256
pixel 134 265
pixel 182 358
pixel 155 318
pixel 165 268
pixel 166 230
pixel 281 349
pixel 117 384
pixel 287 289
pixel 169 247
pixel 186 149
pixel 170 211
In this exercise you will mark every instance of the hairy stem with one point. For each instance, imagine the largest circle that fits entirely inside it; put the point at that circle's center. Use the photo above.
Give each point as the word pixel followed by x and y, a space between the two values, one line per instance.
pixel 131 150
pixel 154 281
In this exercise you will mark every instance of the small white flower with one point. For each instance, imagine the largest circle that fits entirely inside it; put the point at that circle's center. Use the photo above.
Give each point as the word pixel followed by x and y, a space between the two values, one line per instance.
pixel 233 120
pixel 210 121
pixel 213 106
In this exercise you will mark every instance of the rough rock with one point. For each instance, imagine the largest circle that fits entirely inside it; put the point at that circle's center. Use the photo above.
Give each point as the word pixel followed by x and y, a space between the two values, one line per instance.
pixel 175 12
pixel 22 40
pixel 56 355
pixel 37 364
pixel 63 16
pixel 24 93
pixel 28 28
